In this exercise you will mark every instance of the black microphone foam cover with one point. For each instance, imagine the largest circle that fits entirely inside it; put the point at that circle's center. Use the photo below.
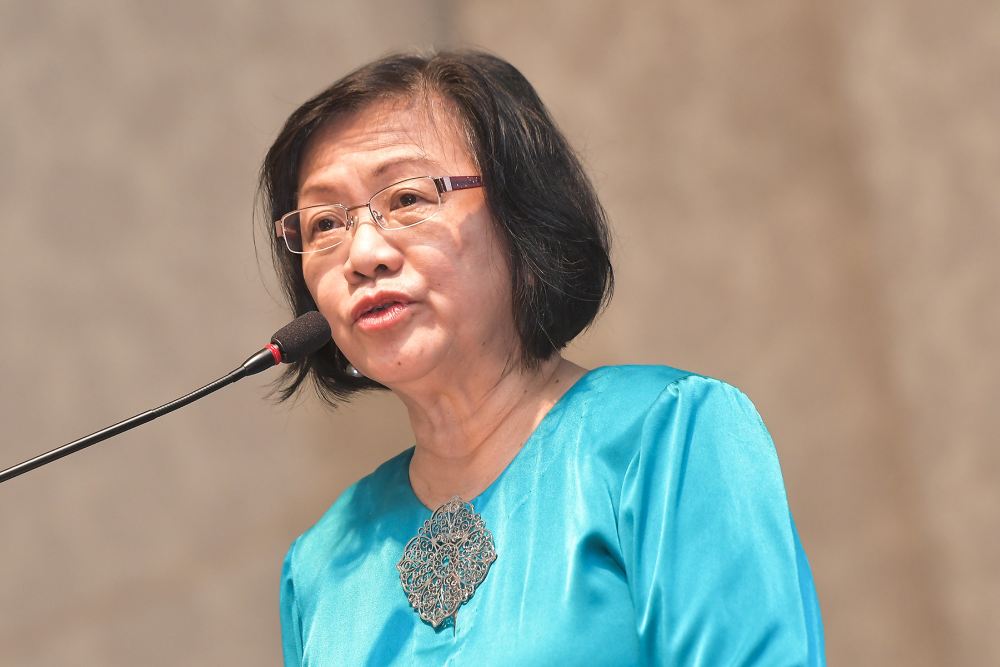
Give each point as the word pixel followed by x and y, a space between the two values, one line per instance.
pixel 302 336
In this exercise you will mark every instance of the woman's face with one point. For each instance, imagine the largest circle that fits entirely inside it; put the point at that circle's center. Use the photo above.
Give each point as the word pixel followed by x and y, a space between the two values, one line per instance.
pixel 422 304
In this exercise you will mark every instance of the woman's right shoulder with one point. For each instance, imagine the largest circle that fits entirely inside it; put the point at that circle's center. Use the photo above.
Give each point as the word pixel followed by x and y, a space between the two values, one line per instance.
pixel 359 506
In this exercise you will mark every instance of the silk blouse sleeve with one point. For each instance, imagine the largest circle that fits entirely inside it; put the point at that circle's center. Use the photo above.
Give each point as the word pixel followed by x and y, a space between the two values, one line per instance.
pixel 291 624
pixel 715 569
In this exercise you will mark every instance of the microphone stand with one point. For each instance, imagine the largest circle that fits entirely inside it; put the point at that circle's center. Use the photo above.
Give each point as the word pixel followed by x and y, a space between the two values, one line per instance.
pixel 258 362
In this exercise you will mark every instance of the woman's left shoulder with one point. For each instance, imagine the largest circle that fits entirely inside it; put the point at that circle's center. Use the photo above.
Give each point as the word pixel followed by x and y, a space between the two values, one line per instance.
pixel 694 427
pixel 637 390
pixel 660 407
pixel 710 549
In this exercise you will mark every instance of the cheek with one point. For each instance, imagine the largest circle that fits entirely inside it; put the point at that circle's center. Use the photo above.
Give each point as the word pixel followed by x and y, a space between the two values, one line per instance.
pixel 470 271
pixel 312 273
pixel 311 270
pixel 321 281
pixel 449 261
pixel 484 260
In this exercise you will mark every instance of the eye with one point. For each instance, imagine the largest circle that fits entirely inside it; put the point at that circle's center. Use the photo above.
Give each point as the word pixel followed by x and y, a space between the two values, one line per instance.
pixel 327 224
pixel 408 199
pixel 406 203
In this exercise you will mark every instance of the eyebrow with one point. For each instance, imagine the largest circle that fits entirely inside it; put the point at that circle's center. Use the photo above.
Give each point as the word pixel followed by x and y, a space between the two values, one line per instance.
pixel 378 172
pixel 410 159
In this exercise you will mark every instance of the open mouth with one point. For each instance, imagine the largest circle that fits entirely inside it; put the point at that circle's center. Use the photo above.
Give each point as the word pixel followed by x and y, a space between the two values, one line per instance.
pixel 385 314
pixel 381 308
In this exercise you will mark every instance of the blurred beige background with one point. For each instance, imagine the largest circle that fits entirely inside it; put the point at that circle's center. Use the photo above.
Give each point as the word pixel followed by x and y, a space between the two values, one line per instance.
pixel 805 200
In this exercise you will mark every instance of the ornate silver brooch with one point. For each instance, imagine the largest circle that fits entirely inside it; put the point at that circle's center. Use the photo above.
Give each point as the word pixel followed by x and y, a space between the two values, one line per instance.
pixel 446 561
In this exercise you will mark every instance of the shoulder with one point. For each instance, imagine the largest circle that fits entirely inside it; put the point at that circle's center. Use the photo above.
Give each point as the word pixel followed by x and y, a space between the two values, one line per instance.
pixel 706 535
pixel 633 379
pixel 690 431
pixel 641 386
pixel 372 500
pixel 661 426
pixel 630 404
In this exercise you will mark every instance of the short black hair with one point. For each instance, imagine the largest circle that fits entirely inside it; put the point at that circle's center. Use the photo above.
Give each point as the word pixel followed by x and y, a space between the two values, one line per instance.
pixel 545 209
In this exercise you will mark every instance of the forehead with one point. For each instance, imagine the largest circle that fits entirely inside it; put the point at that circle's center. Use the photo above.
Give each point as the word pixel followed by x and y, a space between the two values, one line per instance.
pixel 385 140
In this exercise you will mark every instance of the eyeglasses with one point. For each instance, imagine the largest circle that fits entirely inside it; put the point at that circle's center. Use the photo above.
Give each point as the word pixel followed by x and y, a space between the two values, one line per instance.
pixel 398 206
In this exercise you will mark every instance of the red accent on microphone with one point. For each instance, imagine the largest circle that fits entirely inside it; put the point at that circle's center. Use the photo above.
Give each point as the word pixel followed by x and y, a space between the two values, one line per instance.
pixel 275 352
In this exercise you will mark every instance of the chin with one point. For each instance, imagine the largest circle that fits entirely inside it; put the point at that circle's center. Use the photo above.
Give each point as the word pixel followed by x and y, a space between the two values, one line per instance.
pixel 399 371
pixel 391 375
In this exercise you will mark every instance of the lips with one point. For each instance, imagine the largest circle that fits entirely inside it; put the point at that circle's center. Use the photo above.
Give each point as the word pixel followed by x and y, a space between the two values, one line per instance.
pixel 379 307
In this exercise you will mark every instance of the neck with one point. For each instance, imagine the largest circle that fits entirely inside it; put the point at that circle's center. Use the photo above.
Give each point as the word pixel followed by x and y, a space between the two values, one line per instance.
pixel 468 432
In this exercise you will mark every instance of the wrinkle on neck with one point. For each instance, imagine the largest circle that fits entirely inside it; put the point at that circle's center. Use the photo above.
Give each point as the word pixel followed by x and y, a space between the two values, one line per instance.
pixel 466 438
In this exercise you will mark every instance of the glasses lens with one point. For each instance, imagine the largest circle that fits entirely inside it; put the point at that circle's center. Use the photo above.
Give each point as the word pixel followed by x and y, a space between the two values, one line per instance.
pixel 407 203
pixel 315 228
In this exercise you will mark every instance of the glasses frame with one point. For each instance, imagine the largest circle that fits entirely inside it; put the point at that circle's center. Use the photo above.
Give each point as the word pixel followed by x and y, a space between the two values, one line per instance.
pixel 442 183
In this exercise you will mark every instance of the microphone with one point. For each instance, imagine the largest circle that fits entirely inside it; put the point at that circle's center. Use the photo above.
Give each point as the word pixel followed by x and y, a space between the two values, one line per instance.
pixel 292 342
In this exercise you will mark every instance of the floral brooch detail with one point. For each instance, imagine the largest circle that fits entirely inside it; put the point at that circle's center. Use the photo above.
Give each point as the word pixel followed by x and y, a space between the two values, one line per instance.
pixel 446 561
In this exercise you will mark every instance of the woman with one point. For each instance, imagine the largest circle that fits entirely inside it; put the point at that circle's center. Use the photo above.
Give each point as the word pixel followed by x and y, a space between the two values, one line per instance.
pixel 429 208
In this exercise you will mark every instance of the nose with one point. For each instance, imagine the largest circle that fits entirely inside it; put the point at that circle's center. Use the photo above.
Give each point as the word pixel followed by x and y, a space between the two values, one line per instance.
pixel 371 253
pixel 355 213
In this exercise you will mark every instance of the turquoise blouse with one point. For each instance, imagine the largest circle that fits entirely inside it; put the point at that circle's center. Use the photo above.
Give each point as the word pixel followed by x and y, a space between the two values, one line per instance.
pixel 644 522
